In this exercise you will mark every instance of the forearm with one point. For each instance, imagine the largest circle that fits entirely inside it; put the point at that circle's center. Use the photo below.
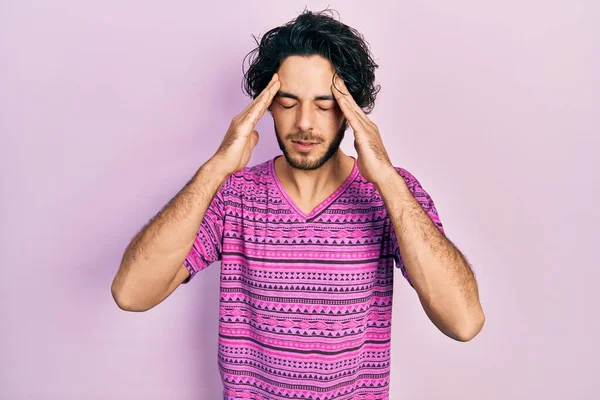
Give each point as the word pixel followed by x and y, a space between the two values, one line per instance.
pixel 438 271
pixel 154 256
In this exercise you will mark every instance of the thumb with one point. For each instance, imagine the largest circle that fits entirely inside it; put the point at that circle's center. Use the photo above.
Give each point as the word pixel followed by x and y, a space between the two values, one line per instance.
pixel 253 139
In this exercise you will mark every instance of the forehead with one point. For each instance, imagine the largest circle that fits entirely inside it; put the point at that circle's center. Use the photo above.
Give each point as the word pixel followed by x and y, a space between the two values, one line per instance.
pixel 306 77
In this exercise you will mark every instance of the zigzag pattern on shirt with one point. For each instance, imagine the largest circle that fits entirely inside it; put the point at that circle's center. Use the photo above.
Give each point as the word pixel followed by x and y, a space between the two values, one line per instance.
pixel 315 363
pixel 372 367
pixel 270 387
pixel 304 287
pixel 235 271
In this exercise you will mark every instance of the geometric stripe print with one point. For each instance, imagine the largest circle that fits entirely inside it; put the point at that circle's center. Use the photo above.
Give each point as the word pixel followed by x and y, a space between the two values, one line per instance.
pixel 305 304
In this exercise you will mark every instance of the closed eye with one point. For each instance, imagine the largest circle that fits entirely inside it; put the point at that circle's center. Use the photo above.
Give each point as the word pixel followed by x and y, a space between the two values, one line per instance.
pixel 294 105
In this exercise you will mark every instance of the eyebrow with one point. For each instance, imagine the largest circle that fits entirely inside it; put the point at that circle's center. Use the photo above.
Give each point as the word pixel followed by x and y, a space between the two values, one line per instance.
pixel 293 96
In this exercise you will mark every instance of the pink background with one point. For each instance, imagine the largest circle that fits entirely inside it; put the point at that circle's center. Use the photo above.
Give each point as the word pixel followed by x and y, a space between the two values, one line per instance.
pixel 107 109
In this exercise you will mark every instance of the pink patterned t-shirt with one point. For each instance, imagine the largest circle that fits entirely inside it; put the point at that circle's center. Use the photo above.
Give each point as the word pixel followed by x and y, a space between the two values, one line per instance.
pixel 305 299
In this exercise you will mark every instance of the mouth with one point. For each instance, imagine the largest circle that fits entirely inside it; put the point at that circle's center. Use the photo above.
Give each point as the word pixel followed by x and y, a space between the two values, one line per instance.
pixel 302 145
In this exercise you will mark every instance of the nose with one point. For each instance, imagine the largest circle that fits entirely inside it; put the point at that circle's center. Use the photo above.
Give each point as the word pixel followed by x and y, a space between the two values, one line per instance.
pixel 305 118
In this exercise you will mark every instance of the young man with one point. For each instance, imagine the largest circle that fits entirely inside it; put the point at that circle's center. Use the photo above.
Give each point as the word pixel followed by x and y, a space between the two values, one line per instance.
pixel 307 240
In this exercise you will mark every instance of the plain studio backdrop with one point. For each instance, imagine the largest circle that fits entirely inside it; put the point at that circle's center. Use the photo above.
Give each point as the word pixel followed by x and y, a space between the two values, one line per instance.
pixel 107 108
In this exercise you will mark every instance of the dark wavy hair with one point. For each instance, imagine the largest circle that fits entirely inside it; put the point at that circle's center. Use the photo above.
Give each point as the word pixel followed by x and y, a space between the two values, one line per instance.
pixel 315 34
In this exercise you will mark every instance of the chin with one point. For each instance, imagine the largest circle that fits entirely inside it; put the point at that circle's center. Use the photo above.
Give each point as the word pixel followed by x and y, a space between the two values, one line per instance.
pixel 304 161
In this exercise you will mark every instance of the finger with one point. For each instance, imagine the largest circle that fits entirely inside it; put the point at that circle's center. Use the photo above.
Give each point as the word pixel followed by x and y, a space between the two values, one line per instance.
pixel 343 93
pixel 349 113
pixel 262 94
pixel 265 93
pixel 245 155
pixel 258 110
pixel 342 90
pixel 254 139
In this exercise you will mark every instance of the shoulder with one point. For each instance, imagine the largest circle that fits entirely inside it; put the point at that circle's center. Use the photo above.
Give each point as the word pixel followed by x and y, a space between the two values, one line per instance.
pixel 255 173
pixel 415 187
pixel 420 194
pixel 411 181
pixel 404 173
pixel 250 178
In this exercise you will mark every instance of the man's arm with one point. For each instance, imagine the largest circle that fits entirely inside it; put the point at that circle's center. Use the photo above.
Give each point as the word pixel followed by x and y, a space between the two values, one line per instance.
pixel 438 271
pixel 151 268
pixel 152 265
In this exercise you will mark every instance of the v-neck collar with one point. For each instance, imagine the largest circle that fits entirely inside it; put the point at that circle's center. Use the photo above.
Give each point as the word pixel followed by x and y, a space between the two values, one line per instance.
pixel 324 204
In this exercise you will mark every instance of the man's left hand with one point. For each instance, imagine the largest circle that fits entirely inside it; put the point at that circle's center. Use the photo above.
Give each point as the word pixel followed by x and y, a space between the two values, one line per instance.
pixel 373 161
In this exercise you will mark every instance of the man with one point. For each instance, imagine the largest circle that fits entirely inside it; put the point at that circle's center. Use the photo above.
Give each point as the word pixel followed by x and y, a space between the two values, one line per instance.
pixel 307 240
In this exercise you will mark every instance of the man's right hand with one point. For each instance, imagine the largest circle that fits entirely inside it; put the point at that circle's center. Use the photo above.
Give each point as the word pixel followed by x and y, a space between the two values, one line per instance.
pixel 241 138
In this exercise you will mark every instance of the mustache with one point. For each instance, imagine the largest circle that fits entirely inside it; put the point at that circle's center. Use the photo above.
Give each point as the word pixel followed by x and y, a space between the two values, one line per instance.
pixel 306 137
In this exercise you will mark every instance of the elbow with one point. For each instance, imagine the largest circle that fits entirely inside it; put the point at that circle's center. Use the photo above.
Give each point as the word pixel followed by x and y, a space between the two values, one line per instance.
pixel 459 323
pixel 125 301
pixel 469 328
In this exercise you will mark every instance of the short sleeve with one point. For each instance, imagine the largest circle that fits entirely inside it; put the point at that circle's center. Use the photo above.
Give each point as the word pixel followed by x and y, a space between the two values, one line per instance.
pixel 428 206
pixel 209 237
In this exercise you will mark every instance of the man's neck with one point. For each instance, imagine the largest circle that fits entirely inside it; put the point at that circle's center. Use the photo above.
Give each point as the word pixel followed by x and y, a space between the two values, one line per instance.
pixel 310 186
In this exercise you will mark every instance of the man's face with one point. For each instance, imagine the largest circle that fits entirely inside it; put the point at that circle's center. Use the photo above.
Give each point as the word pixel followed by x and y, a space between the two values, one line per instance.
pixel 308 122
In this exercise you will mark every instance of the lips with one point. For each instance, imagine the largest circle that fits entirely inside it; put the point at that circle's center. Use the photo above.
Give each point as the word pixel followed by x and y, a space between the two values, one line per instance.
pixel 301 145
